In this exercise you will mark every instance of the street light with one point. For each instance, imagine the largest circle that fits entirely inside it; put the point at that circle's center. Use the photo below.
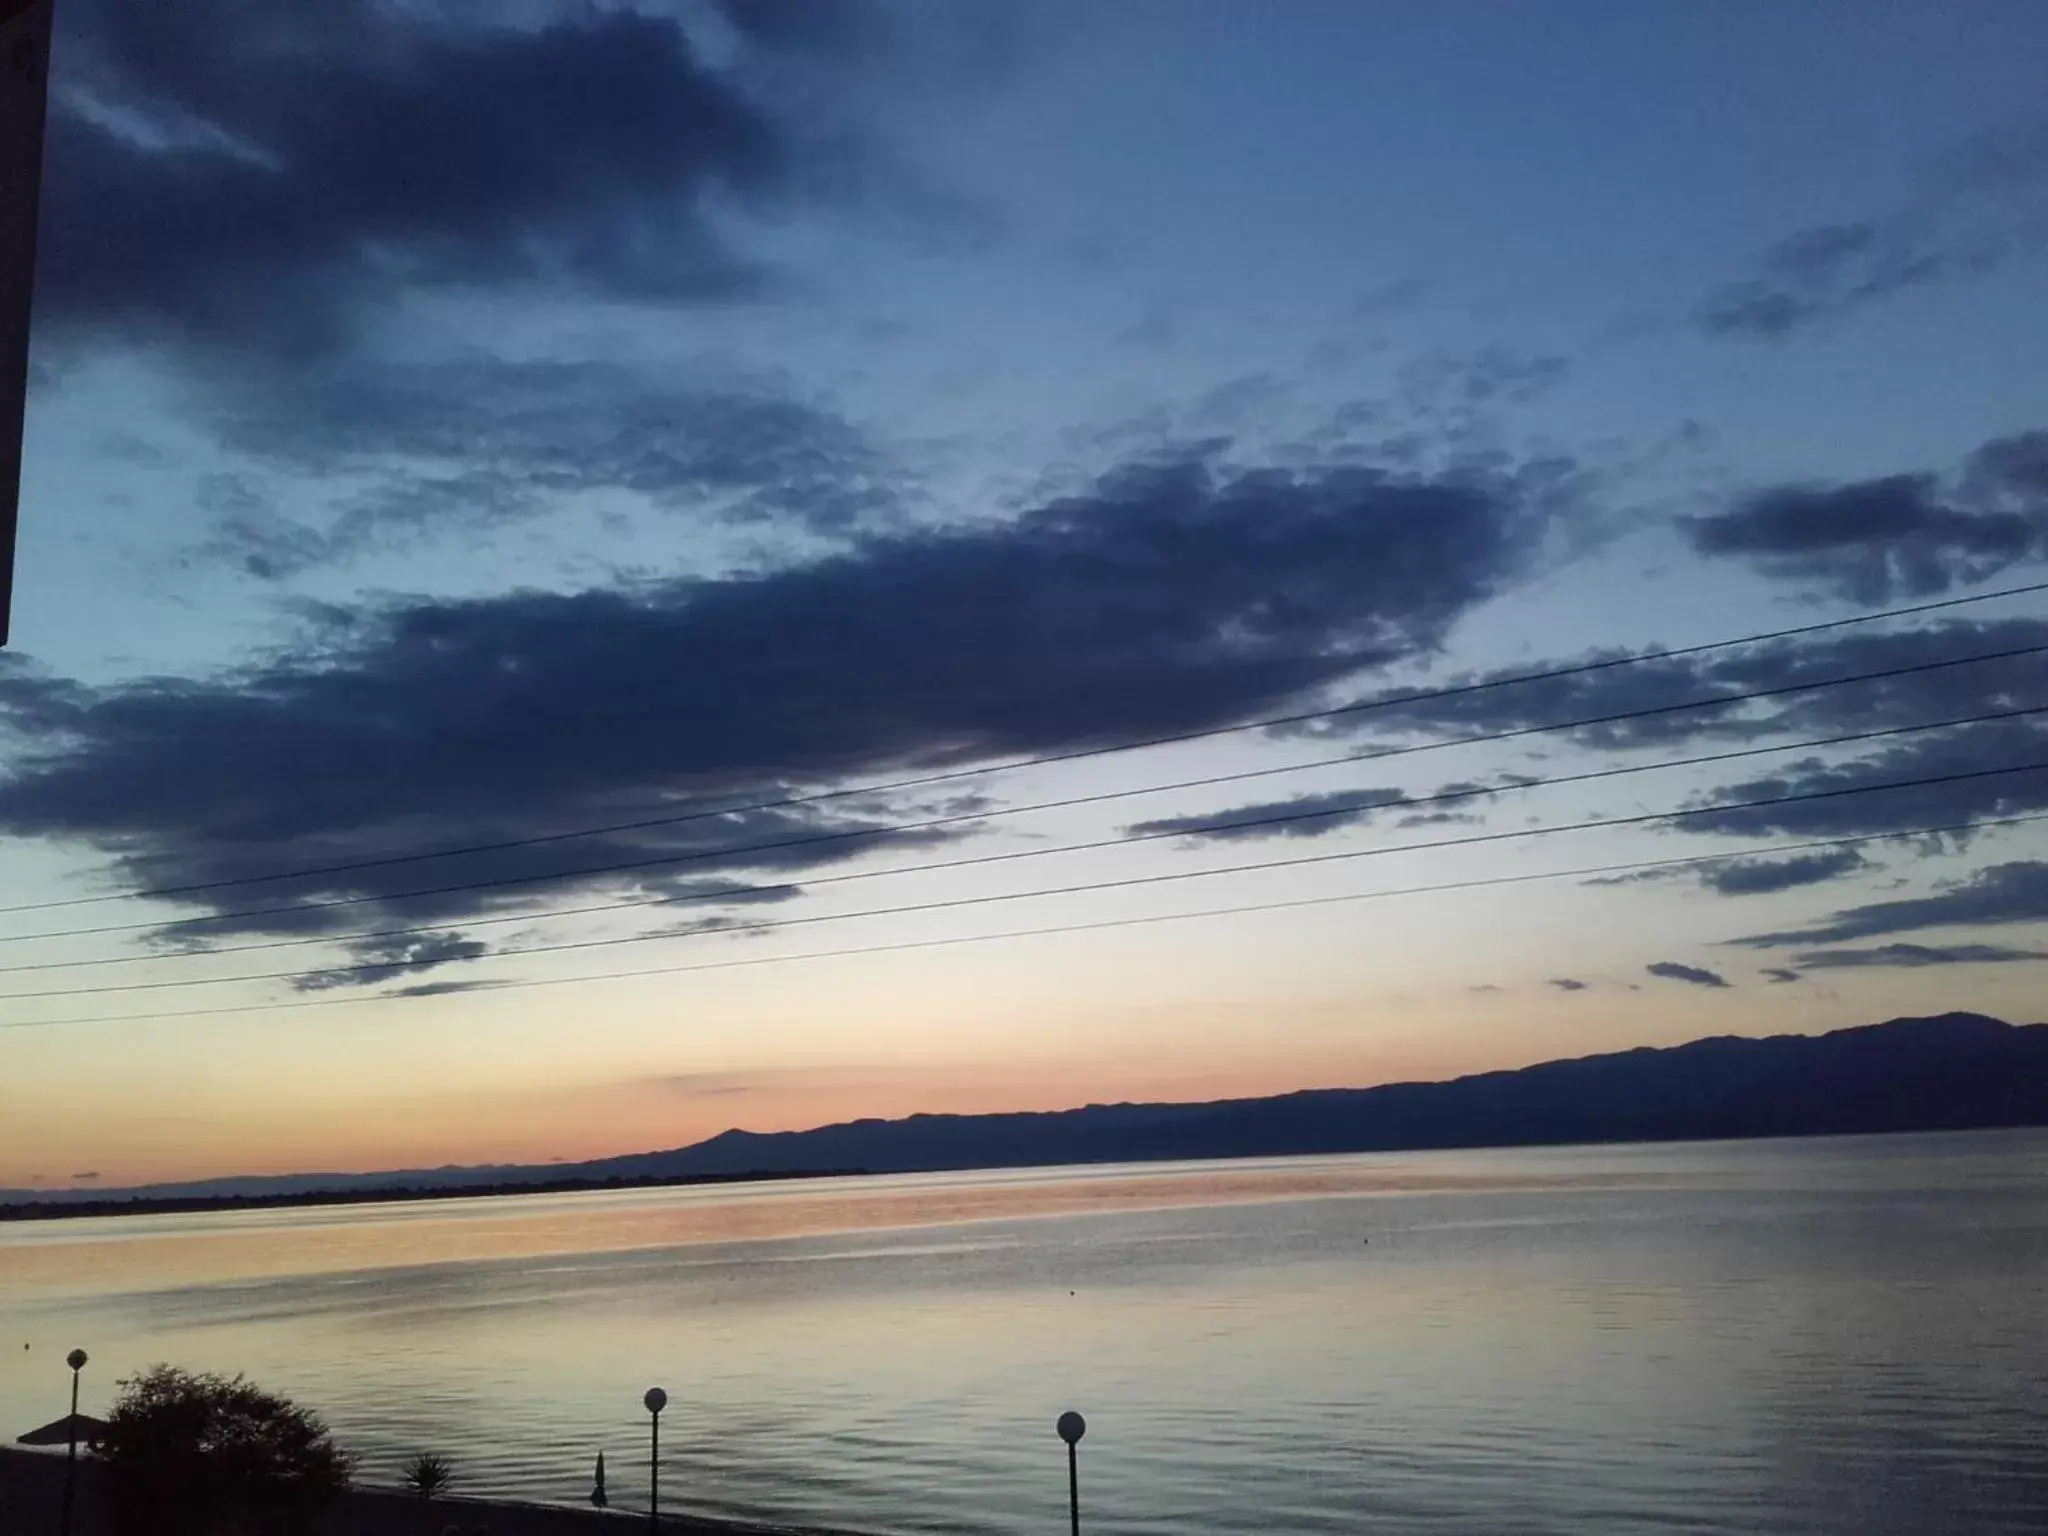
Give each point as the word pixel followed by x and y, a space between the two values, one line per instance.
pixel 1072 1427
pixel 656 1400
pixel 76 1360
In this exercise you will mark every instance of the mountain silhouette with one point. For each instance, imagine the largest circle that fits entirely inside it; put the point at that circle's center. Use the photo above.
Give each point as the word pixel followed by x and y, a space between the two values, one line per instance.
pixel 1955 1071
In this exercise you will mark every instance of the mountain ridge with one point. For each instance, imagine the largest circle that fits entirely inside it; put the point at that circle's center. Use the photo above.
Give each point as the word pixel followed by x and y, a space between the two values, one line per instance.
pixel 1951 1071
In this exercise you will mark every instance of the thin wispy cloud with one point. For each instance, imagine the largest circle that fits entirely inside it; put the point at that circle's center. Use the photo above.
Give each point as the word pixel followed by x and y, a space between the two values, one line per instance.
pixel 1916 956
pixel 1974 209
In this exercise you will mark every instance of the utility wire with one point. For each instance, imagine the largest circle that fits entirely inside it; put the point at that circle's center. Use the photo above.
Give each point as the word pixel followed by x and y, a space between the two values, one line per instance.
pixel 756 892
pixel 1131 881
pixel 899 829
pixel 1104 924
pixel 954 775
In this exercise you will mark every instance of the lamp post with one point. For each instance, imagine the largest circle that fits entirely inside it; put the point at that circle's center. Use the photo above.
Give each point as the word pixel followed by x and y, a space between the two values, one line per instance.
pixel 656 1400
pixel 1072 1427
pixel 76 1360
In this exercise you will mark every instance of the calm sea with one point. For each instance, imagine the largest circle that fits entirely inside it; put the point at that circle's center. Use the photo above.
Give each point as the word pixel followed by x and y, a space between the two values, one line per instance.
pixel 1822 1336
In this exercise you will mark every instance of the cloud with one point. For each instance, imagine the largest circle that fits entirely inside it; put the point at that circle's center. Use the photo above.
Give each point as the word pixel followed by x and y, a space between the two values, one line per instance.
pixel 2015 892
pixel 1168 597
pixel 699 1085
pixel 1915 956
pixel 417 449
pixel 241 178
pixel 1834 269
pixel 1398 296
pixel 1899 536
pixel 1647 689
pixel 1567 984
pixel 1980 207
pixel 2009 471
pixel 1446 383
pixel 1752 877
pixel 1318 815
pixel 392 958
pixel 1927 690
pixel 440 988
pixel 1778 974
pixel 1315 815
pixel 833 28
pixel 1671 970
pixel 1844 799
pixel 1756 877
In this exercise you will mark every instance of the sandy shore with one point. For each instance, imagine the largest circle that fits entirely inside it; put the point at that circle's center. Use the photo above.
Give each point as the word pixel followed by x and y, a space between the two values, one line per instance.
pixel 32 1485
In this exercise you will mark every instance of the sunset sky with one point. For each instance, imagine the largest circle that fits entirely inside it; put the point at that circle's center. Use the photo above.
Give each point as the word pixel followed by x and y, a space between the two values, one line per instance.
pixel 461 424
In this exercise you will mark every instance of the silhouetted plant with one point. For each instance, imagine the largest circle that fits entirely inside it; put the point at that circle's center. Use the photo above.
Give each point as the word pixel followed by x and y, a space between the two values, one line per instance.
pixel 429 1475
pixel 198 1454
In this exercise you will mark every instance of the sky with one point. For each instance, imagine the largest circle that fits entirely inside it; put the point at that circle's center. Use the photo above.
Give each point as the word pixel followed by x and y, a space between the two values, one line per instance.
pixel 516 494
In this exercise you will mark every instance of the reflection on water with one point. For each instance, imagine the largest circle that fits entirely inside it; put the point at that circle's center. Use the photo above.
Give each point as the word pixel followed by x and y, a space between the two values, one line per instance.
pixel 154 1251
pixel 1803 1337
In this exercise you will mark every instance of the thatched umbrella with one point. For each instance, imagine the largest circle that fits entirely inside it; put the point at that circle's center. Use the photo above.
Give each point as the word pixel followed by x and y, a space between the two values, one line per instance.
pixel 79 1426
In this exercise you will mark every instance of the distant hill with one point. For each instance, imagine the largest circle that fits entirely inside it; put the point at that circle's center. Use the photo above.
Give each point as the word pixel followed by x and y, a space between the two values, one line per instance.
pixel 1956 1071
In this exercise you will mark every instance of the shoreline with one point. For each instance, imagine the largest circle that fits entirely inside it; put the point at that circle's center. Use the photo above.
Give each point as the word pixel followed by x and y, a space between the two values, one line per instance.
pixel 395 1194
pixel 24 1213
pixel 32 1483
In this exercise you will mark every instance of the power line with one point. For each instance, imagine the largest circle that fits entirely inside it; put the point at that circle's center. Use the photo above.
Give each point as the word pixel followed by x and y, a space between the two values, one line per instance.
pixel 929 824
pixel 1132 881
pixel 1104 924
pixel 1384 701
pixel 755 892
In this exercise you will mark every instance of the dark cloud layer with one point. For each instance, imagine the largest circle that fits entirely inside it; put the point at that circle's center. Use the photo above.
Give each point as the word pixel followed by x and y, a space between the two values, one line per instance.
pixel 421 449
pixel 1169 597
pixel 1651 685
pixel 1854 803
pixel 1900 536
pixel 828 27
pixel 266 201
pixel 1671 970
pixel 246 177
pixel 2014 892
pixel 1851 797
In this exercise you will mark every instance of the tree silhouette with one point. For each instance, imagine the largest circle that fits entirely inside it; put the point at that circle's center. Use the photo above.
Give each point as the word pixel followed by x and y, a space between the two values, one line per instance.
pixel 208 1455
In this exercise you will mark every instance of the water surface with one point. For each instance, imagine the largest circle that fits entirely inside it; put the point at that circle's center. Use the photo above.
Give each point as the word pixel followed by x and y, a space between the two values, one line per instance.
pixel 1813 1337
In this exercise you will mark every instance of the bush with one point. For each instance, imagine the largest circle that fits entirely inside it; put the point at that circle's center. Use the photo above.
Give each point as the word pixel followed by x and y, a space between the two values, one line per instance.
pixel 429 1475
pixel 207 1455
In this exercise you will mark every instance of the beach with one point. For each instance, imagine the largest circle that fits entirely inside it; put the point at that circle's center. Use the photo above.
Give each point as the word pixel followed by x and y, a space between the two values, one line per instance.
pixel 32 1490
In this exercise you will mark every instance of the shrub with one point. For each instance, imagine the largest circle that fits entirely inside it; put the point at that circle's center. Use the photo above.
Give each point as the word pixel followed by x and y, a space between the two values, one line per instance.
pixel 428 1475
pixel 198 1454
